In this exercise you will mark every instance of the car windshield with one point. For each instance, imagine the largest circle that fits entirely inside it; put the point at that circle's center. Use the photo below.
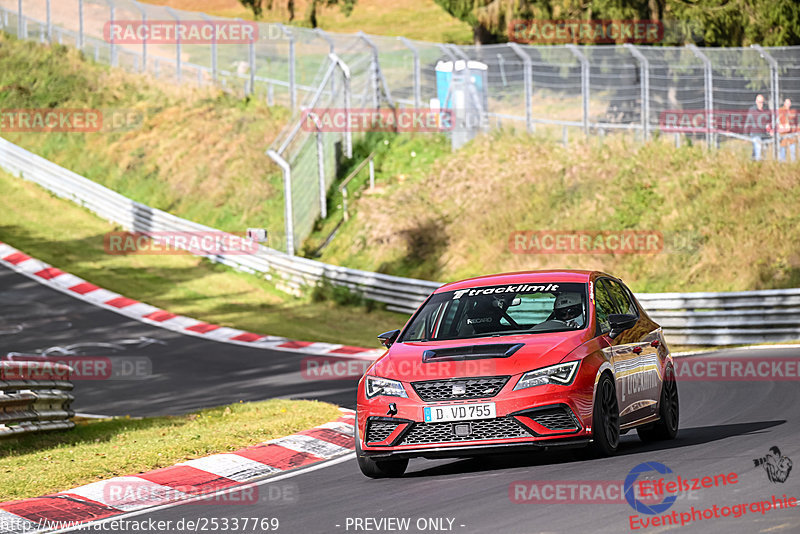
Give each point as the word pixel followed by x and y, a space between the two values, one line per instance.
pixel 500 310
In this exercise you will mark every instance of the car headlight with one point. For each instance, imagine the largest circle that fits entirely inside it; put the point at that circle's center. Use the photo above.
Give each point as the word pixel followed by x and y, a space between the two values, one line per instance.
pixel 383 386
pixel 561 373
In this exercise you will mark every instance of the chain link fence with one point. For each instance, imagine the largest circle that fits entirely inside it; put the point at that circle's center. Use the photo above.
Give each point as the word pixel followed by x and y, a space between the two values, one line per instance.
pixel 557 91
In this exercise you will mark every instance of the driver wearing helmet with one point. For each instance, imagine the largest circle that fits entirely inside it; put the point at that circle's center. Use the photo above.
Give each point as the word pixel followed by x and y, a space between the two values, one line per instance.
pixel 568 308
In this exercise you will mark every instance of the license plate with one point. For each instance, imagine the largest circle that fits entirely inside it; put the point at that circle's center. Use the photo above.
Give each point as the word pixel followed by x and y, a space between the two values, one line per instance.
pixel 459 412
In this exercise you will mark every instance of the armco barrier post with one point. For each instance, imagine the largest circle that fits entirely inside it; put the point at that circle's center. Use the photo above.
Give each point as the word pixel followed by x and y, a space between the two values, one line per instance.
pixel 287 199
pixel 292 84
pixel 49 23
pixel 111 12
pixel 527 69
pixel 415 66
pixel 80 25
pixel 708 79
pixel 380 81
pixel 348 134
pixel 644 83
pixel 331 50
pixel 214 58
pixel 373 68
pixel 501 63
pixel 251 52
pixel 178 66
pixel 143 11
pixel 585 84
pixel 31 403
pixel 323 201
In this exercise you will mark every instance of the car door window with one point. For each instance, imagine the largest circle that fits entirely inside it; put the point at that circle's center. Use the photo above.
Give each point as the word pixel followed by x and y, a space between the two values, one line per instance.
pixel 604 306
pixel 620 295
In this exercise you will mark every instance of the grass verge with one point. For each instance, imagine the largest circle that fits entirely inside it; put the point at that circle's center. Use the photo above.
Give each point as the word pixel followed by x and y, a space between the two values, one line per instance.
pixel 198 153
pixel 40 464
pixel 727 223
pixel 71 238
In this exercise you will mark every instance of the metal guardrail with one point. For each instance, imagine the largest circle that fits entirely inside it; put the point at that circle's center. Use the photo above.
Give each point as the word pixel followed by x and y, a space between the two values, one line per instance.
pixel 731 318
pixel 33 398
pixel 687 318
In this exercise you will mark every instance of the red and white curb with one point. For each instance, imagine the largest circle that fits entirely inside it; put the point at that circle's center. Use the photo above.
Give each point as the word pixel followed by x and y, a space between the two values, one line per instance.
pixel 86 291
pixel 190 480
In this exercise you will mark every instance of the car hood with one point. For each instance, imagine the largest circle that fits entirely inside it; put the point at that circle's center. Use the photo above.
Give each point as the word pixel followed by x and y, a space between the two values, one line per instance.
pixel 475 357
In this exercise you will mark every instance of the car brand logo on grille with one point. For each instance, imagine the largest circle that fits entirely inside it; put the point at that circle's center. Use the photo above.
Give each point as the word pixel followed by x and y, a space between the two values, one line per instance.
pixel 459 388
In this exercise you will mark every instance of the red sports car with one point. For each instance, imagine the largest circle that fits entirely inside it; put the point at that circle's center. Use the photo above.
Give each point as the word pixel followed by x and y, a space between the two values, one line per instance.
pixel 513 361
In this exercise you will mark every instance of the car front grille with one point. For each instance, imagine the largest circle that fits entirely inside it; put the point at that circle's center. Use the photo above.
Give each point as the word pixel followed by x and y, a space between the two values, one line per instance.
pixel 378 431
pixel 474 388
pixel 555 419
pixel 500 428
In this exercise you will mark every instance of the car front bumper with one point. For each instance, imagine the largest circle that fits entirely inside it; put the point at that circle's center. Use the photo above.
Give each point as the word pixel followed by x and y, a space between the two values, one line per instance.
pixel 557 417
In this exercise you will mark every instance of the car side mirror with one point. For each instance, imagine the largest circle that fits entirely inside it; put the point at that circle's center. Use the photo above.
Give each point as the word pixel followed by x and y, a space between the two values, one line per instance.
pixel 620 322
pixel 388 338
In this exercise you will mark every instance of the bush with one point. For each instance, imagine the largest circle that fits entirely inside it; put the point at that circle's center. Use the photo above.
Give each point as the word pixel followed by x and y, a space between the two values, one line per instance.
pixel 325 290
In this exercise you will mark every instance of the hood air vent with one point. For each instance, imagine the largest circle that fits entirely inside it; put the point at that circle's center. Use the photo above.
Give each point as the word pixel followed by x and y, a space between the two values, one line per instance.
pixel 471 352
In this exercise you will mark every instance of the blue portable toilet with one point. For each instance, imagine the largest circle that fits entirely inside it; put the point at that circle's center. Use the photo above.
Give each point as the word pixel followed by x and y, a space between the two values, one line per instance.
pixel 447 72
pixel 468 101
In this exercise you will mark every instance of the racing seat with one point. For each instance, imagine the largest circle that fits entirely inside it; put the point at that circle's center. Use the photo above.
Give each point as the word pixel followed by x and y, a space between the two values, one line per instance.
pixel 483 317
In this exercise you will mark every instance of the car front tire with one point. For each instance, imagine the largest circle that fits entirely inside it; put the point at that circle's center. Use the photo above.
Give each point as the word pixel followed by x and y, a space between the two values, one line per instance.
pixel 605 418
pixel 382 468
pixel 666 427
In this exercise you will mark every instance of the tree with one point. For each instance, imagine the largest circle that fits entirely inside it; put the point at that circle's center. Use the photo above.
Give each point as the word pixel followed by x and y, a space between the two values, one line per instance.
pixel 311 14
pixel 704 22
pixel 258 6
pixel 742 22
pixel 255 6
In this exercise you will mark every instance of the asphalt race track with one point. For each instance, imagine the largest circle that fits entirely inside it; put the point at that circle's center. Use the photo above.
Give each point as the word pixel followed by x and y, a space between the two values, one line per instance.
pixel 725 425
pixel 187 372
